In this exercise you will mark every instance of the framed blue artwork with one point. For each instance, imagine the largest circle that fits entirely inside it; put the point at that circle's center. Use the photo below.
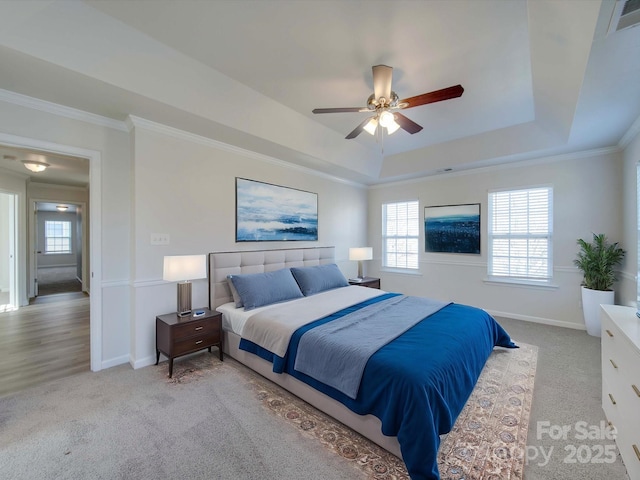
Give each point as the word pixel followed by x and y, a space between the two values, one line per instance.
pixel 266 212
pixel 452 228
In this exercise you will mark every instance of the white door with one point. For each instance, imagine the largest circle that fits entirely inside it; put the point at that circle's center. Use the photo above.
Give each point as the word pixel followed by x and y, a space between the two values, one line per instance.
pixel 8 269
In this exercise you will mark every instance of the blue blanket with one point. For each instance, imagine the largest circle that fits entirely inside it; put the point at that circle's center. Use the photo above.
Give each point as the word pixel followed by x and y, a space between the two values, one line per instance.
pixel 374 326
pixel 416 384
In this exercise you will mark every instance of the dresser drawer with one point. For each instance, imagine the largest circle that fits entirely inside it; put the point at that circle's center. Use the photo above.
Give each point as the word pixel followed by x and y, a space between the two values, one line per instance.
pixel 191 344
pixel 194 328
pixel 628 442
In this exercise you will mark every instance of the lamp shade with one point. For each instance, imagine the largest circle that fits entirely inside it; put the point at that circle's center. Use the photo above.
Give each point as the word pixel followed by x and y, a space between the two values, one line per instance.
pixel 361 253
pixel 178 268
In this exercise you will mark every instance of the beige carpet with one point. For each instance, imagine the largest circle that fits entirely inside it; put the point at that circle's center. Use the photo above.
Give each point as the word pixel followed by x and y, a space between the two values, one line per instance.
pixel 487 441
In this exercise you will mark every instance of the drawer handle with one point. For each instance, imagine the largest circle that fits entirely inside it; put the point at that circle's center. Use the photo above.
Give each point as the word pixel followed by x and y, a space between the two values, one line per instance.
pixel 613 400
pixel 199 328
pixel 613 363
pixel 635 389
pixel 637 450
pixel 198 342
pixel 609 333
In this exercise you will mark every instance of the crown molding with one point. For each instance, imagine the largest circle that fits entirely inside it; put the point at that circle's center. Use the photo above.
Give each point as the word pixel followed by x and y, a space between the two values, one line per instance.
pixel 137 122
pixel 61 110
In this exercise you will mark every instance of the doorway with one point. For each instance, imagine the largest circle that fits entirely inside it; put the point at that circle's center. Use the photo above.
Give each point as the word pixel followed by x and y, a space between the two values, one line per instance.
pixel 94 249
pixel 58 244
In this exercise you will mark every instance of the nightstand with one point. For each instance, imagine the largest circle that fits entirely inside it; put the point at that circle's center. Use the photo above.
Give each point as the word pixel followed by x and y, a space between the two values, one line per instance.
pixel 370 282
pixel 177 336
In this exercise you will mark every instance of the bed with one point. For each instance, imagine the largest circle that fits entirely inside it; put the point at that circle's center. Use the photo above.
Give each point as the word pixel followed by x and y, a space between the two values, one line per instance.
pixel 401 389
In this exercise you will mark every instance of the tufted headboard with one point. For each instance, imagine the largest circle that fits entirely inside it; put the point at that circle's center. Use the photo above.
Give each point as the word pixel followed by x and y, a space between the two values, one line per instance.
pixel 222 264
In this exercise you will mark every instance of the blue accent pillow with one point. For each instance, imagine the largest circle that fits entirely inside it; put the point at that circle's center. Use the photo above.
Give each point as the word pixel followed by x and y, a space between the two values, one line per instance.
pixel 260 289
pixel 317 279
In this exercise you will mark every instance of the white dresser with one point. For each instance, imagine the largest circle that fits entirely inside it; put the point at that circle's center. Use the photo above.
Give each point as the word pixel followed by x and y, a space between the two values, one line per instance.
pixel 621 380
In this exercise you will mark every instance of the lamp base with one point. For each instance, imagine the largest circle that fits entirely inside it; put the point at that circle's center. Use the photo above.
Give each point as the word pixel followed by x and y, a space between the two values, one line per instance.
pixel 184 299
pixel 360 269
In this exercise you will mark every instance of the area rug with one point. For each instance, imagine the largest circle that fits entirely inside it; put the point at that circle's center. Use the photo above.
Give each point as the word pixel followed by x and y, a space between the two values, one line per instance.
pixel 487 441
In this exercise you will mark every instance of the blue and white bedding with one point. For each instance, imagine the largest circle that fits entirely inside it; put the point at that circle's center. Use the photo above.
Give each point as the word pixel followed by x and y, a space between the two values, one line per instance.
pixel 416 384
pixel 374 326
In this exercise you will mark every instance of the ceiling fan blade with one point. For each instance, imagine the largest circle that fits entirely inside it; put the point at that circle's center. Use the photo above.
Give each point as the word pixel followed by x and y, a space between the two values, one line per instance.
pixel 432 97
pixel 407 124
pixel 336 110
pixel 358 130
pixel 382 82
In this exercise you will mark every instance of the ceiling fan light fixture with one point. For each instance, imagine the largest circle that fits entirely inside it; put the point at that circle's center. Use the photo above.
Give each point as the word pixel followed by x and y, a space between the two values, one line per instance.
pixel 386 119
pixel 392 127
pixel 35 166
pixel 371 126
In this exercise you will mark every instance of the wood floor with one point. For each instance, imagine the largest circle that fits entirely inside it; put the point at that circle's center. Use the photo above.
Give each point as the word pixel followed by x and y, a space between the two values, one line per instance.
pixel 44 341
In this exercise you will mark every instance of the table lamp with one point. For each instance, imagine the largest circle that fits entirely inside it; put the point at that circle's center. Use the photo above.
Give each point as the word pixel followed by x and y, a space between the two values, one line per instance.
pixel 360 254
pixel 183 269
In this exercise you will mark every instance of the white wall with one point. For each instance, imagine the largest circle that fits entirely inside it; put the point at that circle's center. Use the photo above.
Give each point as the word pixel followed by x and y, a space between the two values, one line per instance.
pixel 587 198
pixel 185 186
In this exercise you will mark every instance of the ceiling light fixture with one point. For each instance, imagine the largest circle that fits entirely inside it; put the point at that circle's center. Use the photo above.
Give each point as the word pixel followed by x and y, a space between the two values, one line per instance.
pixel 388 121
pixel 371 126
pixel 35 166
pixel 62 208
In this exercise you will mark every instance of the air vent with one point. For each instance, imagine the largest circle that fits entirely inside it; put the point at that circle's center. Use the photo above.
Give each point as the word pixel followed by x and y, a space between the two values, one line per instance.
pixel 625 14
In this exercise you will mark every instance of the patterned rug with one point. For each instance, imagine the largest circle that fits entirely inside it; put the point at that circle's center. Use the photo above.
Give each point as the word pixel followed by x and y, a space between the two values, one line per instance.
pixel 487 441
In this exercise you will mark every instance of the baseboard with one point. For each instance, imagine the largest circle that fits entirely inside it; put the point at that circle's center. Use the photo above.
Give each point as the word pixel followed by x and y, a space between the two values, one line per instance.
pixel 57 266
pixel 113 362
pixel 143 362
pixel 545 321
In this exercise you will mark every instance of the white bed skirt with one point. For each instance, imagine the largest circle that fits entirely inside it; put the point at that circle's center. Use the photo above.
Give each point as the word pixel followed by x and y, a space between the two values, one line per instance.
pixel 366 425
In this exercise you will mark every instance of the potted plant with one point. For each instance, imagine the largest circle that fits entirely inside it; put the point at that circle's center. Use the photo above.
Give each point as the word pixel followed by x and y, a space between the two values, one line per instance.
pixel 596 260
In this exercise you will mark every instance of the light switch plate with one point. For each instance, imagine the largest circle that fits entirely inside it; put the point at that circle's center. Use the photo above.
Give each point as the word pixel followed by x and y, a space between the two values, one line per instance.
pixel 160 239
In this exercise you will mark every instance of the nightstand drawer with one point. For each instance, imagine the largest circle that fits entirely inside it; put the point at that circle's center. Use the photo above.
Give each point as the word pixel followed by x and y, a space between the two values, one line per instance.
pixel 194 328
pixel 181 347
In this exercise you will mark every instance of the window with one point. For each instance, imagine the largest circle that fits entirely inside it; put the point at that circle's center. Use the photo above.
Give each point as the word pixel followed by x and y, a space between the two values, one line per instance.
pixel 520 229
pixel 57 237
pixel 400 235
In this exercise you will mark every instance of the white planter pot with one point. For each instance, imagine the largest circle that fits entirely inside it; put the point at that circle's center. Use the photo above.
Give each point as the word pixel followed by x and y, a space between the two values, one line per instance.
pixel 591 301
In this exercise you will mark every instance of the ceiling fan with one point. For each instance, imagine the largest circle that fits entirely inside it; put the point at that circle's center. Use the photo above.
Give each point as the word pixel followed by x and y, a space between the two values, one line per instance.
pixel 384 102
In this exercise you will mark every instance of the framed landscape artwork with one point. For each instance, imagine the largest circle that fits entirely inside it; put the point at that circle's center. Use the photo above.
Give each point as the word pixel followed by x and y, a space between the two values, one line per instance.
pixel 452 228
pixel 266 212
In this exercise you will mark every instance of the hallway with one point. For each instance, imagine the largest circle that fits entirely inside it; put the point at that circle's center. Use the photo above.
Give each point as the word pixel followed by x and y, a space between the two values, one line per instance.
pixel 44 341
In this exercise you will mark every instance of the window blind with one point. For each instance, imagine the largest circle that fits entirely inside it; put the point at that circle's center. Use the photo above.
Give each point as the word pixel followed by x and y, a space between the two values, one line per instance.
pixel 520 234
pixel 400 234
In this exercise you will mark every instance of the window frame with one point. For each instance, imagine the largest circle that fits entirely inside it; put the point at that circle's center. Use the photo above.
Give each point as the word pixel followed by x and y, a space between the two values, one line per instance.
pixel 55 237
pixel 491 236
pixel 385 237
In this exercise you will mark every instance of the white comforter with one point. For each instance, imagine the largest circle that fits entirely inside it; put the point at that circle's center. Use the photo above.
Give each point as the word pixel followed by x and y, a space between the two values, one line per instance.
pixel 272 327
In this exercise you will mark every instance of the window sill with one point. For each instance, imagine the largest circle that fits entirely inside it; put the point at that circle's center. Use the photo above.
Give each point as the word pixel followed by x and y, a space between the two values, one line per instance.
pixel 520 284
pixel 402 271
